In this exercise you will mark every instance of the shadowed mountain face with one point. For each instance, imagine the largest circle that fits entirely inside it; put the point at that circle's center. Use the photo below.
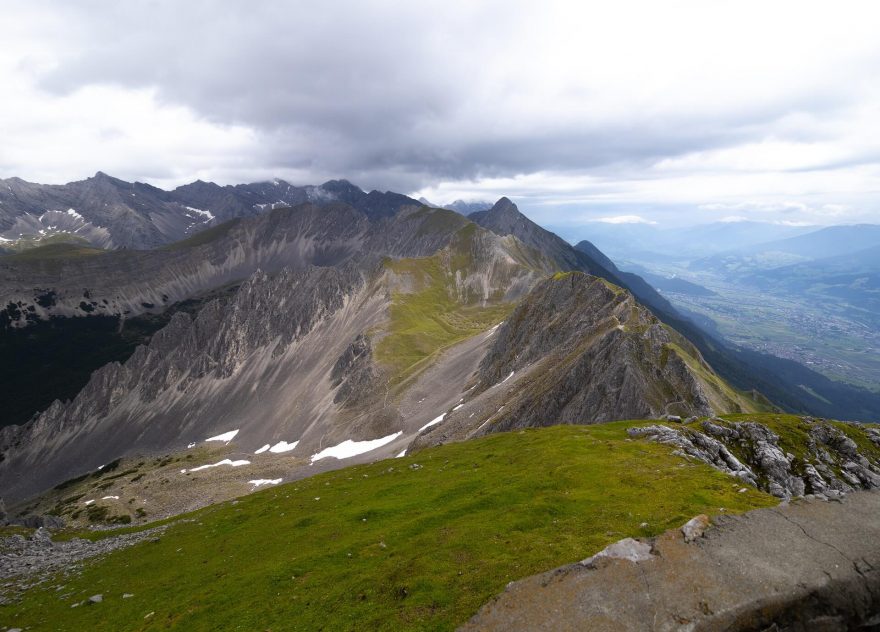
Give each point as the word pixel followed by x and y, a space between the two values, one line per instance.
pixel 110 213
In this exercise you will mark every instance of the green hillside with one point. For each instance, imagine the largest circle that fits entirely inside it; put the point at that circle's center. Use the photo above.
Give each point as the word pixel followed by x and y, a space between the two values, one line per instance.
pixel 413 543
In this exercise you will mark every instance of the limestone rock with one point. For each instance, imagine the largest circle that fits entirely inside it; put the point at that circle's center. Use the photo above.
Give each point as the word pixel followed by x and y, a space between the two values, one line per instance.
pixel 763 463
pixel 695 527
pixel 626 549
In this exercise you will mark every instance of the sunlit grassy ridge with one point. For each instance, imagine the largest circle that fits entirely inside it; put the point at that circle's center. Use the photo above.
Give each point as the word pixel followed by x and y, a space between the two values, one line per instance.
pixel 412 543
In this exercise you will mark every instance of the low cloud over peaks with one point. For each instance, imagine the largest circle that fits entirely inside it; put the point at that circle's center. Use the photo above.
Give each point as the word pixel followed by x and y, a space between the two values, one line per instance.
pixel 579 112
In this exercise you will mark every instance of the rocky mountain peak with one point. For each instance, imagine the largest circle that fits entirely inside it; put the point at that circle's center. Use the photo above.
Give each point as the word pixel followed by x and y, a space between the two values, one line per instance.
pixel 343 189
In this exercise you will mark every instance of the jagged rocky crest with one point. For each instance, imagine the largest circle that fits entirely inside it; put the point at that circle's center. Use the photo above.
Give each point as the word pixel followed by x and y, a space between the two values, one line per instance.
pixel 830 464
pixel 110 213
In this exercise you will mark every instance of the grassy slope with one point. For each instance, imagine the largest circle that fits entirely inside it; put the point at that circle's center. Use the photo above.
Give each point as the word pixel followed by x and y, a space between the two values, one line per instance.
pixel 722 396
pixel 54 249
pixel 430 316
pixel 386 546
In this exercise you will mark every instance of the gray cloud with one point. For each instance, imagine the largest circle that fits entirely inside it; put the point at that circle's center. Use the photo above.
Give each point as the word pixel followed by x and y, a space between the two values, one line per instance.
pixel 410 95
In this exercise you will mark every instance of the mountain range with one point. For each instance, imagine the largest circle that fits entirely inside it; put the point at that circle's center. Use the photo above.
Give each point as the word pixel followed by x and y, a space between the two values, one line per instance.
pixel 344 316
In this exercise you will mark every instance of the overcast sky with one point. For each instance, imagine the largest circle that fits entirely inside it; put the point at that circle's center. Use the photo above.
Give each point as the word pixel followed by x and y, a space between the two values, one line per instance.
pixel 665 112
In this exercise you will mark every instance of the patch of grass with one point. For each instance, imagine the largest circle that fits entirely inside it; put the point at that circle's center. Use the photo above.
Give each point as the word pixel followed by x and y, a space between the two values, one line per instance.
pixel 430 317
pixel 11 529
pixel 392 546
pixel 57 247
pixel 204 237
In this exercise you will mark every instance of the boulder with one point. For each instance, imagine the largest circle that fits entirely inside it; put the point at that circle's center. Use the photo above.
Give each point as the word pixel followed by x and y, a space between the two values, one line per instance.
pixel 695 527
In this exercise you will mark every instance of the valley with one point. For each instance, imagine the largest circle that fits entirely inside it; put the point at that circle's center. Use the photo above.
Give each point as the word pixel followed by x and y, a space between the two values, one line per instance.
pixel 822 336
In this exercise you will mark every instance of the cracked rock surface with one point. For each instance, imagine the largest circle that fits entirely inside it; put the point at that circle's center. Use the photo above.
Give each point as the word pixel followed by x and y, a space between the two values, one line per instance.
pixel 809 565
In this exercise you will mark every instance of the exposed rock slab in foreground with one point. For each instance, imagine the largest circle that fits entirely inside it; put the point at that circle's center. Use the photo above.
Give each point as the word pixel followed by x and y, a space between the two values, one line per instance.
pixel 806 566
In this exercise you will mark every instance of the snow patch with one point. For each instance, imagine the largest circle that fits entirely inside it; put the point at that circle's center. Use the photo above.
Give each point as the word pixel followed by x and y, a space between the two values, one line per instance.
pixel 283 446
pixel 507 378
pixel 206 214
pixel 110 498
pixel 190 446
pixel 433 422
pixel 402 454
pixel 223 462
pixel 263 449
pixel 88 502
pixel 349 448
pixel 226 437
pixel 72 212
pixel 264 481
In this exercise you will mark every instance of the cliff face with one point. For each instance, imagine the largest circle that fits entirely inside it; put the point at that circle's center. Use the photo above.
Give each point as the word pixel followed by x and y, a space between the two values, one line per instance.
pixel 255 364
pixel 597 356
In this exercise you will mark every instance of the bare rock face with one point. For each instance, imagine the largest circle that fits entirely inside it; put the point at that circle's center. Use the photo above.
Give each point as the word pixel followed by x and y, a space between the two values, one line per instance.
pixel 354 372
pixel 750 451
pixel 194 373
pixel 578 350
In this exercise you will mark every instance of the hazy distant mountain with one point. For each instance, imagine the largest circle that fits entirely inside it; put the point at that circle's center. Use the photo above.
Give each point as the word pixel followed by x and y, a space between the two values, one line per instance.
pixel 820 244
pixel 466 208
pixel 851 282
pixel 651 242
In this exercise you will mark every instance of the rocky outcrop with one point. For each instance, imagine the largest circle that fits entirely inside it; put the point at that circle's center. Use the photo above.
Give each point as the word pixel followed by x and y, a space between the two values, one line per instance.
pixel 829 463
pixel 28 561
pixel 813 565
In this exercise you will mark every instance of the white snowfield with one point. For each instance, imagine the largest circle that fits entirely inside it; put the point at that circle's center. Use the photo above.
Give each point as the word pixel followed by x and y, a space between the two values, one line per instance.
pixel 207 214
pixel 283 446
pixel 110 498
pixel 507 378
pixel 349 448
pixel 223 462
pixel 264 481
pixel 433 422
pixel 225 437
pixel 265 448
